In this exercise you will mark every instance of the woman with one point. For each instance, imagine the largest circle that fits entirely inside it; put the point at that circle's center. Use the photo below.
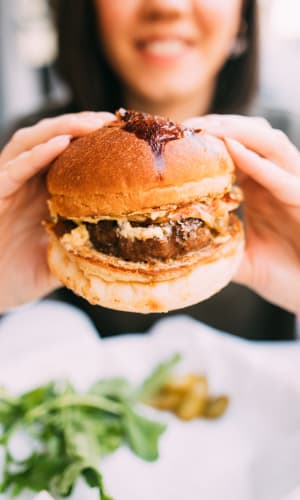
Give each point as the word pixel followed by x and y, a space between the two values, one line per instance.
pixel 180 58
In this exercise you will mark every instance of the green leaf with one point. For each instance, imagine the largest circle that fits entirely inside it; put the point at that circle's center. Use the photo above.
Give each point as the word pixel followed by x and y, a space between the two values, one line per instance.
pixel 142 434
pixel 157 378
pixel 83 448
pixel 35 473
pixel 72 432
pixel 10 412
pixel 74 400
pixel 114 388
pixel 94 480
pixel 37 396
pixel 63 483
pixel 5 396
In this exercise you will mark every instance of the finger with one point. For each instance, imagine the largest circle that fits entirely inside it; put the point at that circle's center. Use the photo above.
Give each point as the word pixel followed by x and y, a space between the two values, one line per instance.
pixel 15 173
pixel 256 134
pixel 258 120
pixel 71 124
pixel 283 185
pixel 244 273
pixel 51 282
pixel 217 120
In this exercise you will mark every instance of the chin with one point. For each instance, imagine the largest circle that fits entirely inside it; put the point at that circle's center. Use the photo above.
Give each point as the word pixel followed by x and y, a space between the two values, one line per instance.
pixel 142 215
pixel 161 90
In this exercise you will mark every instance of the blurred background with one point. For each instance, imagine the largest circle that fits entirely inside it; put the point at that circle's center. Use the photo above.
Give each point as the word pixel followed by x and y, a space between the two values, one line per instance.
pixel 28 48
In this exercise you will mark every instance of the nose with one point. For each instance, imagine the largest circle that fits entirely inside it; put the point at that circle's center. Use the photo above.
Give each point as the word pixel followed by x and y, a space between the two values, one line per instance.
pixel 166 9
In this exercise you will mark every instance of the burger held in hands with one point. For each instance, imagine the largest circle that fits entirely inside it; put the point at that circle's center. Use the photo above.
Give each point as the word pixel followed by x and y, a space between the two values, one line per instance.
pixel 143 215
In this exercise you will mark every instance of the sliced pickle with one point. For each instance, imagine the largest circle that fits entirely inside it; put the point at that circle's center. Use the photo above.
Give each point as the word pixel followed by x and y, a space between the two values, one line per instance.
pixel 188 397
pixel 216 407
pixel 183 384
pixel 194 403
pixel 166 401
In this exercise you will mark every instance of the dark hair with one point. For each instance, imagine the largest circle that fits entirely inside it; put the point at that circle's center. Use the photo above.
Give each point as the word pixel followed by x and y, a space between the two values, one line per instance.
pixel 237 80
pixel 94 85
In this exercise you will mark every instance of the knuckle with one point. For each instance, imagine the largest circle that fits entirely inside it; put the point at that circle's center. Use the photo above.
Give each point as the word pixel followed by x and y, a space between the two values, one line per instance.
pixel 106 115
pixel 36 150
pixel 280 137
pixel 55 125
pixel 83 114
pixel 70 120
pixel 63 118
pixel 32 154
pixel 260 120
pixel 44 122
pixel 6 165
pixel 19 135
pixel 22 156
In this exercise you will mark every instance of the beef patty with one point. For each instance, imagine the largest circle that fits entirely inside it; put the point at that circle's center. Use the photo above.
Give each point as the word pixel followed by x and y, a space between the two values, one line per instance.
pixel 179 238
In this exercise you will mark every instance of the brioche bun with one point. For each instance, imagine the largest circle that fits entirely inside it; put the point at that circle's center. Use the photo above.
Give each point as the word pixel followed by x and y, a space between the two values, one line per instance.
pixel 112 173
pixel 146 288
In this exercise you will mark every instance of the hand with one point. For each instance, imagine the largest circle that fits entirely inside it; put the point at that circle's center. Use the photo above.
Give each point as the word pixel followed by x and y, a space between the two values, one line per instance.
pixel 269 174
pixel 23 266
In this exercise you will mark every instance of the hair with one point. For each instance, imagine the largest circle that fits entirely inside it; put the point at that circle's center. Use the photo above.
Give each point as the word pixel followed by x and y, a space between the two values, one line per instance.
pixel 93 84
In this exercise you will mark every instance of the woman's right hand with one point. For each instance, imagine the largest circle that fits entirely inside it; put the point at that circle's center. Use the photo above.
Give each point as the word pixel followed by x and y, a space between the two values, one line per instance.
pixel 24 272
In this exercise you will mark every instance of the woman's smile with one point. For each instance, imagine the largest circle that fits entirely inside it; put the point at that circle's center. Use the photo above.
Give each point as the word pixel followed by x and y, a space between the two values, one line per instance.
pixel 165 49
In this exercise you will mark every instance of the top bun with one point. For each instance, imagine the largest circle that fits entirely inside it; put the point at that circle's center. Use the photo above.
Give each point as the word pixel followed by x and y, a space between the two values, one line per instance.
pixel 135 163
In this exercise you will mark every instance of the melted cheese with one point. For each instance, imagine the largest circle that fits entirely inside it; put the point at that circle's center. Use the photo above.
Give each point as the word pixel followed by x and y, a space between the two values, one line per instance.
pixel 126 230
pixel 77 238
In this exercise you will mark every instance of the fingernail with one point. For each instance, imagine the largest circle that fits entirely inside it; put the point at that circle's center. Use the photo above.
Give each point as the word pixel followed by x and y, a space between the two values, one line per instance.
pixel 86 113
pixel 211 126
pixel 213 121
pixel 93 121
pixel 61 139
pixel 214 126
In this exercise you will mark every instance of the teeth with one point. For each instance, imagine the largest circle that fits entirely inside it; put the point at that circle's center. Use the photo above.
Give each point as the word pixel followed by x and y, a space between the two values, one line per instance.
pixel 165 47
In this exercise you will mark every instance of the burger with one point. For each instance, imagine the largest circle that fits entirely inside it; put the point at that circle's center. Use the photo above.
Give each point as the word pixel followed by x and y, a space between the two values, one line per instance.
pixel 142 215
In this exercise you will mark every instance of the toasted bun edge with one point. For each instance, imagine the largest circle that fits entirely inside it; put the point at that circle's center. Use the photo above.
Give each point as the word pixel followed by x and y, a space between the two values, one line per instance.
pixel 199 282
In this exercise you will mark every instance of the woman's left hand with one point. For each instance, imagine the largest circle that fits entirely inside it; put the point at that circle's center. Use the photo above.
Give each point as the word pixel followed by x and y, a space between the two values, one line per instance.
pixel 269 173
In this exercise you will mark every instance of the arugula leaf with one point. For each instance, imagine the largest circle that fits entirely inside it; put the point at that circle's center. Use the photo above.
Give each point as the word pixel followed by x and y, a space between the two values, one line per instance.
pixel 142 434
pixel 76 400
pixel 35 473
pixel 62 484
pixel 157 378
pixel 37 396
pixel 72 431
pixel 95 480
pixel 9 407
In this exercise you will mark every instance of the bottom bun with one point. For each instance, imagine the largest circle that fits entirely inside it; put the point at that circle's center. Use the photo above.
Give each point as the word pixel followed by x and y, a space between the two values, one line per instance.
pixel 203 279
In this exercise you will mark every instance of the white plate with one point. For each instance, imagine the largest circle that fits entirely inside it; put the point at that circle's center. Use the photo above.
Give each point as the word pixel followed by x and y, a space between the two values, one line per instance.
pixel 252 453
